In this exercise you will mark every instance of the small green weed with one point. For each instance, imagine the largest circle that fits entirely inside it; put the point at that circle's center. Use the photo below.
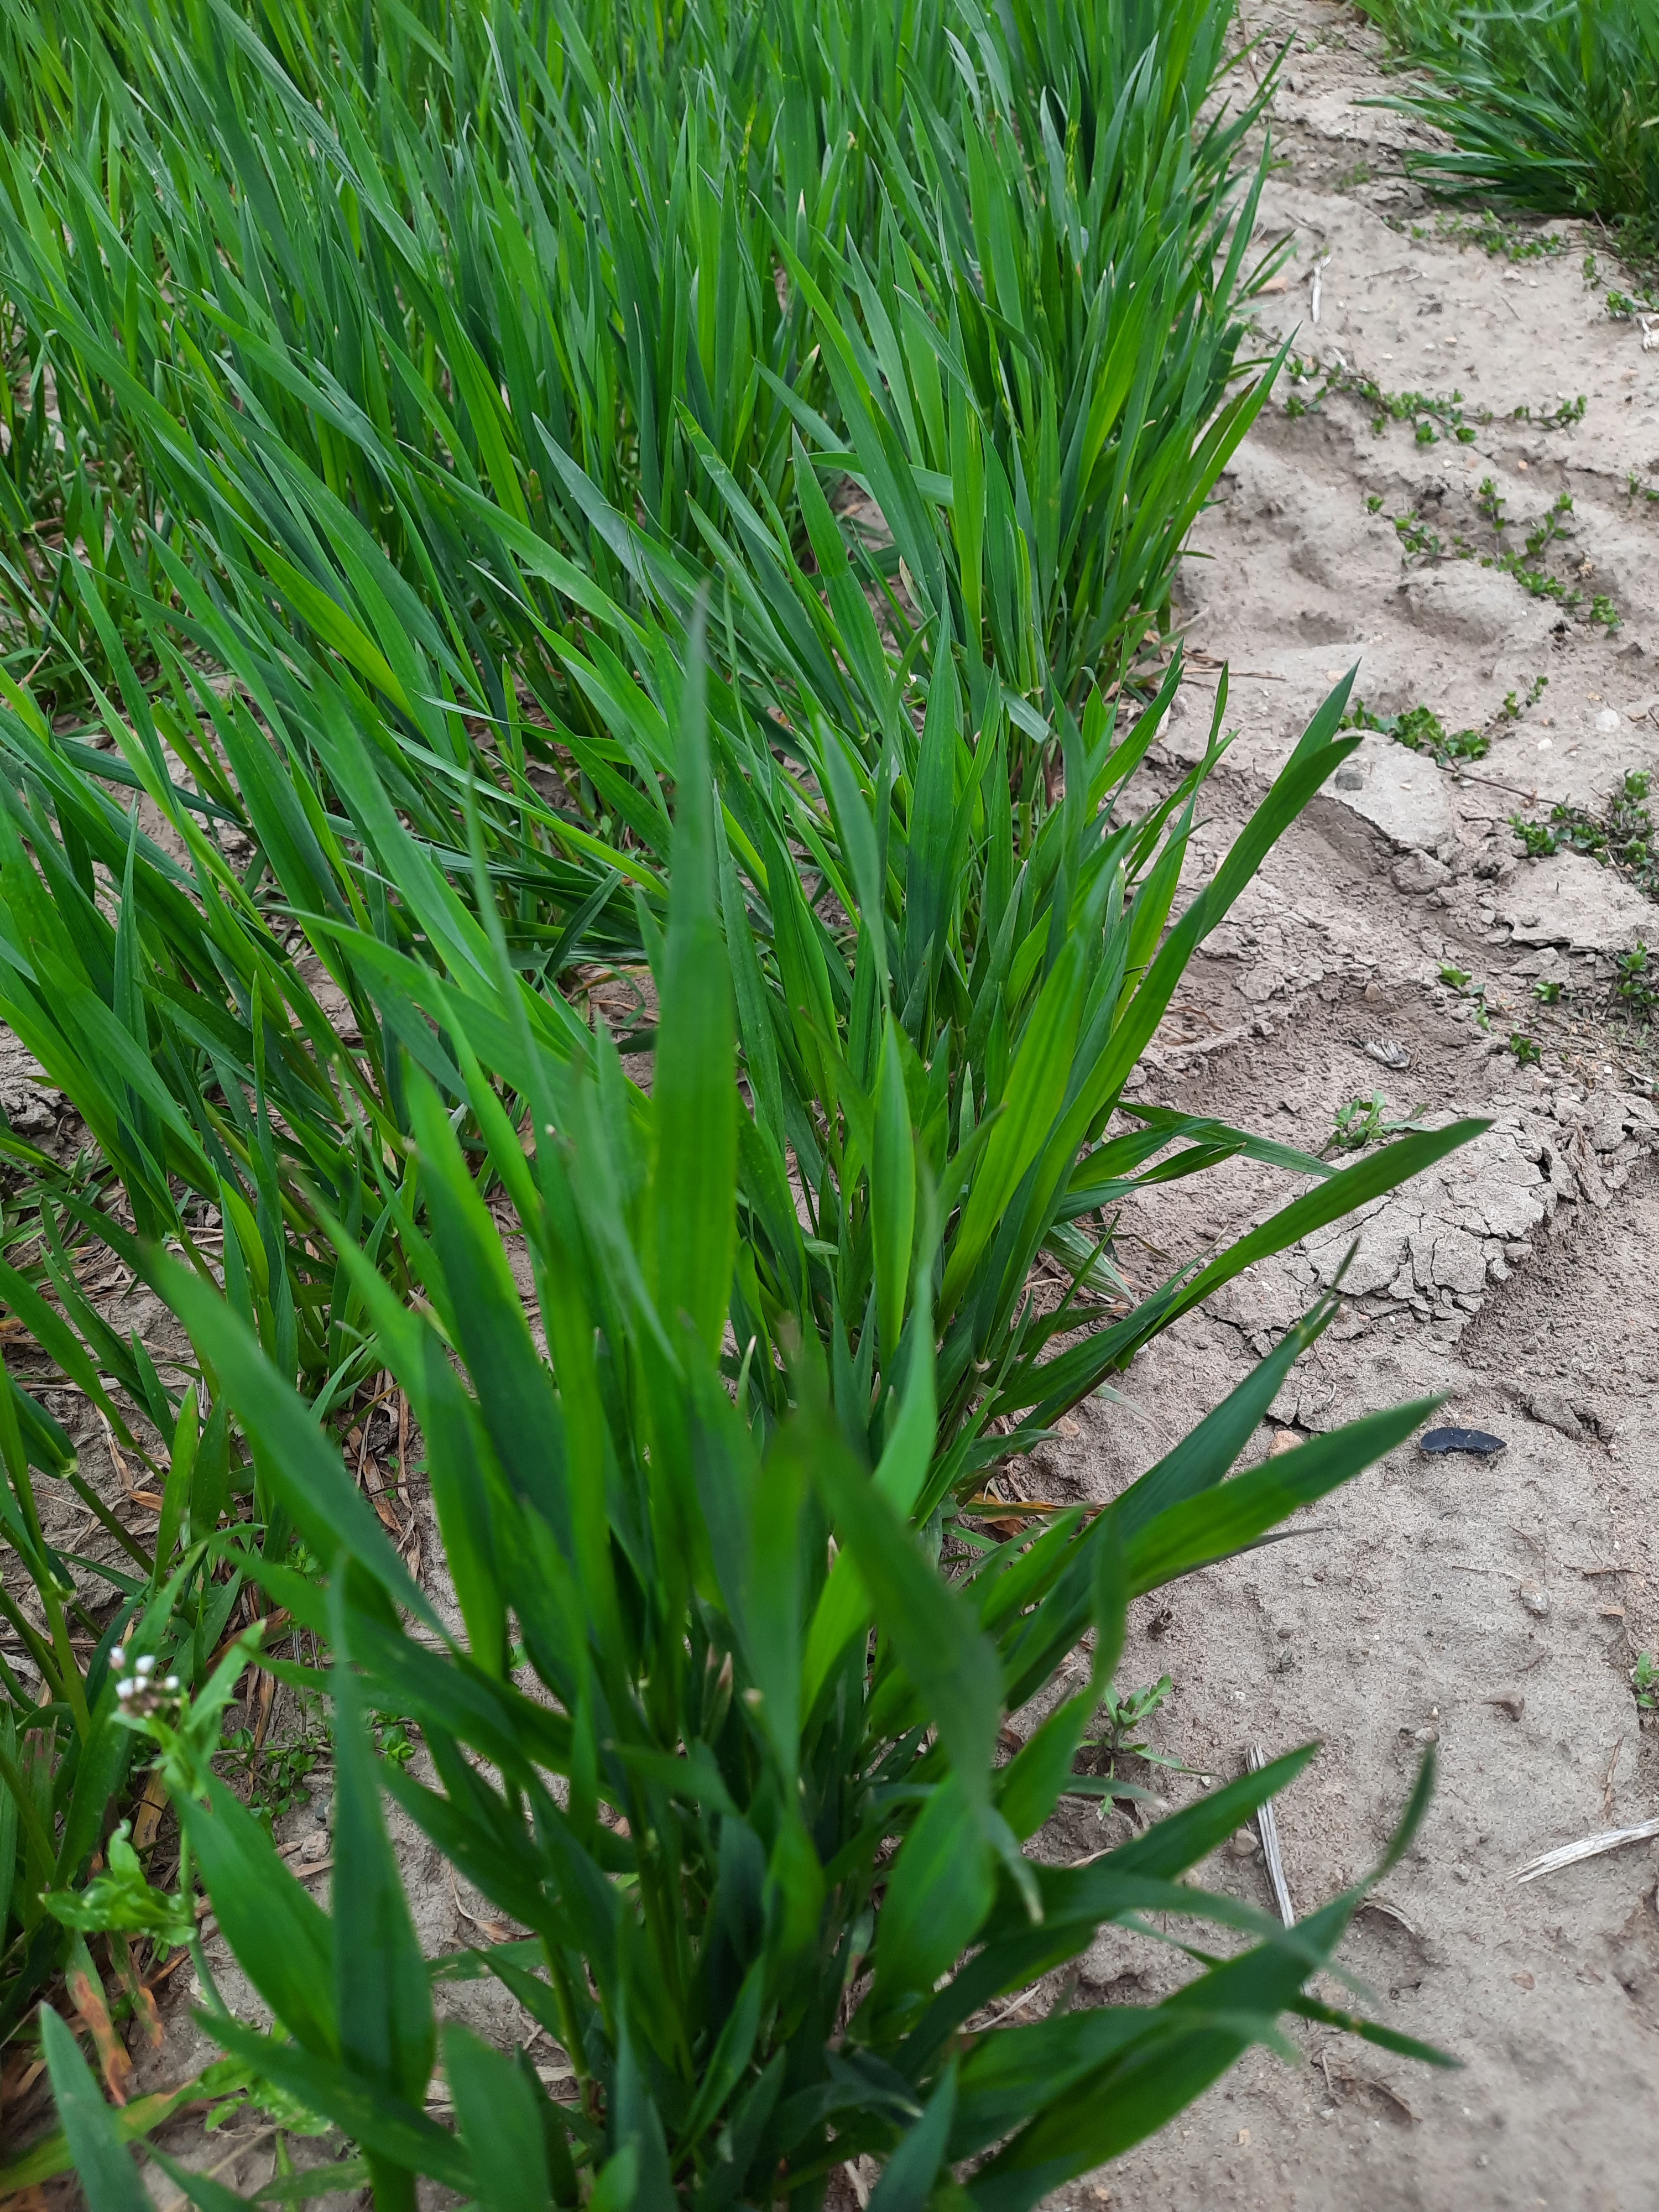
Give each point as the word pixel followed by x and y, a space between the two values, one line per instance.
pixel 275 1776
pixel 1525 1050
pixel 1419 542
pixel 1460 980
pixel 392 1739
pixel 1545 532
pixel 1622 838
pixel 1506 240
pixel 1559 417
pixel 1429 417
pixel 1539 583
pixel 1514 707
pixel 1121 1718
pixel 1420 730
pixel 1547 993
pixel 1363 1121
pixel 1357 1124
pixel 1636 987
pixel 1644 1681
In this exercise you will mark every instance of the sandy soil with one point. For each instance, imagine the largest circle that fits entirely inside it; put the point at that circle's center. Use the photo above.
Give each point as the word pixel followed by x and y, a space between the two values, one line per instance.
pixel 1492 1607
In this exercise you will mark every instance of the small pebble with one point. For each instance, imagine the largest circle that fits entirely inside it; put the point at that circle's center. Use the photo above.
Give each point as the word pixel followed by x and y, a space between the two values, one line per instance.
pixel 1461 1873
pixel 1536 1600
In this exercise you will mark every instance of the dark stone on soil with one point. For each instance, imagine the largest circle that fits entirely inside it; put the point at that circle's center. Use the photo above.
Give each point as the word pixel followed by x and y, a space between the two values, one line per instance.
pixel 1463 1440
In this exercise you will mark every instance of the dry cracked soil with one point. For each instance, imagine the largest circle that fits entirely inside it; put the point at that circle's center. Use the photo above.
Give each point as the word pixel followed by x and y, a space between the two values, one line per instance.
pixel 1492 1607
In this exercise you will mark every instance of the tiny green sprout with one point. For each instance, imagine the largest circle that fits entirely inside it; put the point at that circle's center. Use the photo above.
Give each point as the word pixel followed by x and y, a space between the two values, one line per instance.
pixel 1511 709
pixel 1603 610
pixel 1634 985
pixel 392 1739
pixel 1547 994
pixel 1357 1124
pixel 1454 979
pixel 1525 1050
pixel 1123 1718
pixel 1537 837
pixel 1425 434
pixel 1645 1680
pixel 1373 501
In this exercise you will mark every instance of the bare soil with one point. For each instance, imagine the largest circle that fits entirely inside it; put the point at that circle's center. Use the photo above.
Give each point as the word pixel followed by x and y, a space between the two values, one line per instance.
pixel 1491 1606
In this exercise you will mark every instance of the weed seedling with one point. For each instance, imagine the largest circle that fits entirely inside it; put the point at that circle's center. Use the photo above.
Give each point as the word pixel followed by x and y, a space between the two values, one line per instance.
pixel 1525 1050
pixel 276 1775
pixel 1551 527
pixel 1416 539
pixel 1645 1680
pixel 1123 1718
pixel 1547 993
pixel 1362 1122
pixel 1636 987
pixel 1539 839
pixel 1357 1124
pixel 1514 707
pixel 1459 979
pixel 1622 838
pixel 392 1739
pixel 1420 730
pixel 1497 237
